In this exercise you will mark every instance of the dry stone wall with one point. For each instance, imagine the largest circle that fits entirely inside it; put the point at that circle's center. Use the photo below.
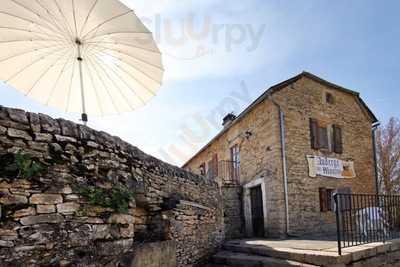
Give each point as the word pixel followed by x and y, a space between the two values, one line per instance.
pixel 48 220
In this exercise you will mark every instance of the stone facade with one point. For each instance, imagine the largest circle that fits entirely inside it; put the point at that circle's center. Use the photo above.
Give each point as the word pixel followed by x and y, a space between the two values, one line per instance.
pixel 258 134
pixel 46 221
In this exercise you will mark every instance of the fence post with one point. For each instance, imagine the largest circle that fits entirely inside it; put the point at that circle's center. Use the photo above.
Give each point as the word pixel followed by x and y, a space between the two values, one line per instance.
pixel 337 212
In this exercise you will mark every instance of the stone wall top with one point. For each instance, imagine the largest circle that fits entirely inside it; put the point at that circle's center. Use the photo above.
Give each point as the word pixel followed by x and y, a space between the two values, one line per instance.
pixel 40 127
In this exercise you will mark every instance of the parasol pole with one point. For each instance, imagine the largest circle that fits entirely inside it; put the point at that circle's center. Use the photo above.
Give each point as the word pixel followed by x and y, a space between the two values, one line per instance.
pixel 80 59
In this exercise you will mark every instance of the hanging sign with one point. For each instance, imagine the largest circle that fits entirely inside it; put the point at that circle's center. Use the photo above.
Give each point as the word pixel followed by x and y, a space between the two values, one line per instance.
pixel 330 167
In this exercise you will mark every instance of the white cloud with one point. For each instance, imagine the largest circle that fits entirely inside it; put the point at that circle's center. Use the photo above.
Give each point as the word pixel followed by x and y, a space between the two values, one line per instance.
pixel 204 38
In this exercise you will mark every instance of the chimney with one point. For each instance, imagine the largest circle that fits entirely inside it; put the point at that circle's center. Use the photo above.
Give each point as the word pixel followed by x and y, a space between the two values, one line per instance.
pixel 228 119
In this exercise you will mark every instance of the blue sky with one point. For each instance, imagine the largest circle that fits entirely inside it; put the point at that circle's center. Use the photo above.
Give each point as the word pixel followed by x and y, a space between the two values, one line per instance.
pixel 242 48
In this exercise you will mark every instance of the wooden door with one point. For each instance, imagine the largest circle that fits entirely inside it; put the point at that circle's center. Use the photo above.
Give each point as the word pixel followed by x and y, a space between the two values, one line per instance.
pixel 257 211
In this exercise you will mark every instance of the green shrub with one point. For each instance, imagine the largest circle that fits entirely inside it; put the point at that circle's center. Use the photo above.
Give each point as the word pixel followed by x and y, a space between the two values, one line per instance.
pixel 24 166
pixel 116 198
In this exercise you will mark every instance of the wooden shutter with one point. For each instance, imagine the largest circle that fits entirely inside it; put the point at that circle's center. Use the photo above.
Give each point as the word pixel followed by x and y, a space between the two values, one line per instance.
pixel 323 138
pixel 323 199
pixel 329 199
pixel 314 133
pixel 337 139
pixel 202 169
pixel 215 165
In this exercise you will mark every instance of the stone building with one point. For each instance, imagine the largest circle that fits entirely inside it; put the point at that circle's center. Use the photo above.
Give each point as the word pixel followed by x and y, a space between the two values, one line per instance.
pixel 279 162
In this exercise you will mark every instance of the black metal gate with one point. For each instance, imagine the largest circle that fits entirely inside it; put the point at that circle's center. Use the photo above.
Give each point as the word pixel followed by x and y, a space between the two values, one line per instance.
pixel 364 218
pixel 257 212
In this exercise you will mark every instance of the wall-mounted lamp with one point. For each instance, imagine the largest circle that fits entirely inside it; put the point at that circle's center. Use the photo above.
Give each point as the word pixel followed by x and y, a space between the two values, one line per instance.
pixel 248 134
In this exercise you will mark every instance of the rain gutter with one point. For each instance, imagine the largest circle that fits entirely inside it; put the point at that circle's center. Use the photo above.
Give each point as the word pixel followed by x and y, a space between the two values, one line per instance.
pixel 375 127
pixel 284 163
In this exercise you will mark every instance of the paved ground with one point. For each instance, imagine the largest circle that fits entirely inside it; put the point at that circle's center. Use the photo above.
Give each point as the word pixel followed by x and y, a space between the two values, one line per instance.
pixel 310 251
pixel 300 244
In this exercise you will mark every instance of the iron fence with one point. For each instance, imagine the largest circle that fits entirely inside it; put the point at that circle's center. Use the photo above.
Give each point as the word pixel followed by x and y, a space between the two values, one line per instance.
pixel 226 172
pixel 229 172
pixel 366 218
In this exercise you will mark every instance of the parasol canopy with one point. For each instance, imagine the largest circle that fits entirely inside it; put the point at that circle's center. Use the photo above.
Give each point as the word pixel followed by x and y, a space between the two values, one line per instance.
pixel 88 56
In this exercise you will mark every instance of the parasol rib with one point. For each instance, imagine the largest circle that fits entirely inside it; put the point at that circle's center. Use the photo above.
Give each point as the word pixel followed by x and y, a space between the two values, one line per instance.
pixel 54 26
pixel 57 80
pixel 127 45
pixel 123 80
pixel 30 65
pixel 134 78
pixel 113 82
pixel 27 20
pixel 70 86
pixel 105 87
pixel 45 72
pixel 87 17
pixel 107 21
pixel 95 91
pixel 74 15
pixel 64 17
pixel 28 52
pixel 113 33
pixel 25 30
pixel 131 56
pixel 138 70
pixel 52 16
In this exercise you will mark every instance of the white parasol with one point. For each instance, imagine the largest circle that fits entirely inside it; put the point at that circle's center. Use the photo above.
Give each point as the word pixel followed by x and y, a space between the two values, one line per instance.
pixel 88 56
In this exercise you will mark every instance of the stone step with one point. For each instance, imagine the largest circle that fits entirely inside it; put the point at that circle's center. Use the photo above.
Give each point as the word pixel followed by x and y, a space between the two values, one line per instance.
pixel 235 259
pixel 315 258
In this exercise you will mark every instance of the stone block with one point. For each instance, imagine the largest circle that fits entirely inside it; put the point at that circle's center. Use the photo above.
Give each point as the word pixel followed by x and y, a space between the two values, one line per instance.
pixel 46 199
pixel 39 219
pixel 159 254
pixel 49 125
pixel 86 133
pixel 127 231
pixel 65 139
pixel 34 122
pixel 15 125
pixel 68 208
pixel 44 209
pixel 19 134
pixel 71 197
pixel 66 190
pixel 10 199
pixel 7 244
pixel 3 130
pixel 42 147
pixel 3 113
pixel 8 235
pixel 68 128
pixel 114 247
pixel 43 137
pixel 101 231
pixel 17 115
pixel 121 219
pixel 24 212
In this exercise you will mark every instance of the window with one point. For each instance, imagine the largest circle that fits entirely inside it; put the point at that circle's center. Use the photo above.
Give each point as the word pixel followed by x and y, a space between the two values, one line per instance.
pixel 235 154
pixel 235 161
pixel 337 139
pixel 326 202
pixel 212 171
pixel 326 137
pixel 202 169
pixel 329 98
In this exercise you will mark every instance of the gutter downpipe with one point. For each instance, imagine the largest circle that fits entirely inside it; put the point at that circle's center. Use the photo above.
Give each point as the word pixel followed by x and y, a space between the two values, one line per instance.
pixel 284 163
pixel 374 128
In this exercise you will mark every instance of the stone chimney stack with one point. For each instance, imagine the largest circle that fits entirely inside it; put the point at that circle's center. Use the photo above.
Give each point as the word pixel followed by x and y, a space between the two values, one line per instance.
pixel 228 119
